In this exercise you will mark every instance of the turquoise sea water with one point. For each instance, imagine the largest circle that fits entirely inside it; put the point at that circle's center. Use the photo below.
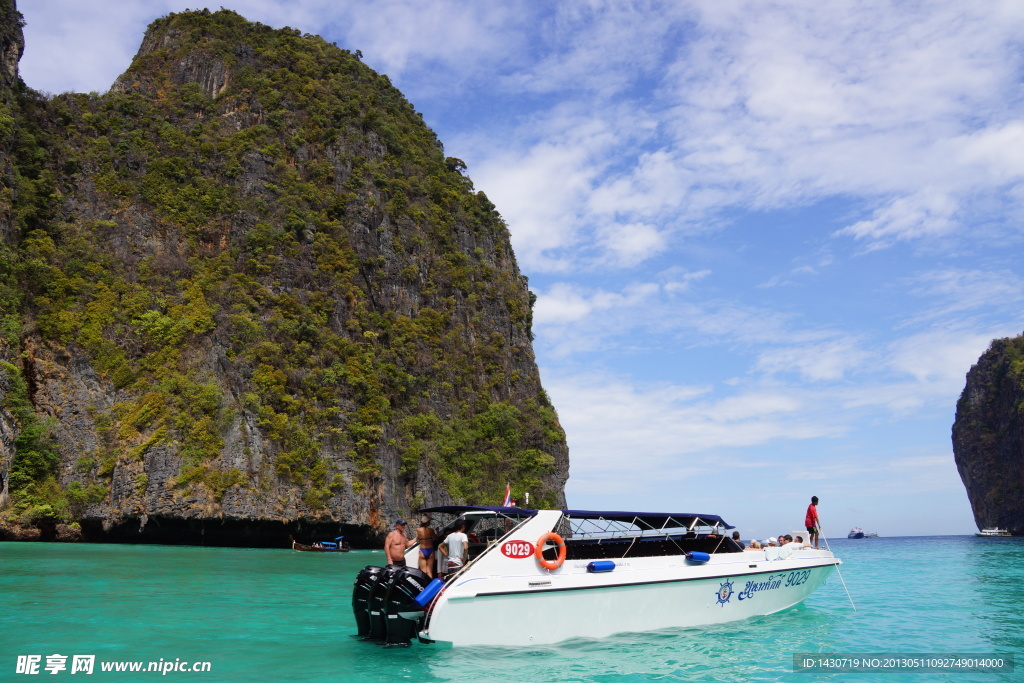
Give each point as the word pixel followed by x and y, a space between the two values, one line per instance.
pixel 278 615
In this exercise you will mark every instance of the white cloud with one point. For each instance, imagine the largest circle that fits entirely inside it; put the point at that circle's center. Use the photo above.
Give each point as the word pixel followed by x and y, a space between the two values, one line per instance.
pixel 997 151
pixel 773 104
pixel 921 214
pixel 800 273
pixel 630 244
pixel 629 438
pixel 669 420
pixel 827 361
pixel 567 304
pixel 940 356
pixel 571 319
pixel 678 280
pixel 456 37
pixel 960 290
pixel 541 190
pixel 906 474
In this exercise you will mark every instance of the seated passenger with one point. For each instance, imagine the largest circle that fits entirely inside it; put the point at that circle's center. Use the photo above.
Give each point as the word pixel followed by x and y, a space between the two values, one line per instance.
pixel 798 543
pixel 754 545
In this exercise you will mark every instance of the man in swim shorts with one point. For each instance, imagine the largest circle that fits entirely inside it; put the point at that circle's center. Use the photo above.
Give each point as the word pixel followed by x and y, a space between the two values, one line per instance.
pixel 396 544
pixel 426 536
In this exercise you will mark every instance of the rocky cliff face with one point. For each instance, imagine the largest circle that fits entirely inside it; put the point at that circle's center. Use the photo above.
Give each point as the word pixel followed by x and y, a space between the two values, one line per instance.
pixel 244 294
pixel 12 42
pixel 988 436
pixel 12 45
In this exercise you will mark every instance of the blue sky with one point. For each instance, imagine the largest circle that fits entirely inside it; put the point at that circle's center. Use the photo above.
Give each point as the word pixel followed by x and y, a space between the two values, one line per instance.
pixel 768 239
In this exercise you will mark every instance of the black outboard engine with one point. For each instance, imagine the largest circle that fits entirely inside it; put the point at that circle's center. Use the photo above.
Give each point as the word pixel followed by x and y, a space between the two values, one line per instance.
pixel 403 614
pixel 365 582
pixel 375 602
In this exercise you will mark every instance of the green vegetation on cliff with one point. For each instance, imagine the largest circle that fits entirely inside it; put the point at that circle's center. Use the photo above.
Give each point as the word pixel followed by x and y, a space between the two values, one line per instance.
pixel 261 250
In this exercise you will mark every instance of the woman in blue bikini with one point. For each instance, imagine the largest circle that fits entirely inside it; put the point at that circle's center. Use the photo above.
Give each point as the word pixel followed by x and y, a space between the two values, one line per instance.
pixel 426 536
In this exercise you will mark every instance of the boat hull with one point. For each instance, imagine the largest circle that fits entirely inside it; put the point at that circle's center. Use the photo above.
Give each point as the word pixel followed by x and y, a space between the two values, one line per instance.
pixel 518 611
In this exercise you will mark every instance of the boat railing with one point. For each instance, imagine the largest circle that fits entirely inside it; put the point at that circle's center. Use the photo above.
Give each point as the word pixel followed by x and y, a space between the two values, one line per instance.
pixel 646 546
pixel 600 538
pixel 618 528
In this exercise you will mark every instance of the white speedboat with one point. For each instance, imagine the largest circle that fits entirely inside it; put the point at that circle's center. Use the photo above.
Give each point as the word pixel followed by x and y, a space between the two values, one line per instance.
pixel 543 576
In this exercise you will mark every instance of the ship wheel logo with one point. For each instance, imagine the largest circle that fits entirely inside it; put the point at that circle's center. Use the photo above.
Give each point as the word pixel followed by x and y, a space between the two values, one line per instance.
pixel 724 592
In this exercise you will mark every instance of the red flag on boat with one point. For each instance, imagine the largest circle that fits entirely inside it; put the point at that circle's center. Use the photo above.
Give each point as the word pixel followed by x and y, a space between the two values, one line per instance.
pixel 508 496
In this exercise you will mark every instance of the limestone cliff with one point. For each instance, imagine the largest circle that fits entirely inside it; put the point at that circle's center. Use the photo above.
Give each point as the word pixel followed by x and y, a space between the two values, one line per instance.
pixel 988 436
pixel 12 46
pixel 244 293
pixel 12 42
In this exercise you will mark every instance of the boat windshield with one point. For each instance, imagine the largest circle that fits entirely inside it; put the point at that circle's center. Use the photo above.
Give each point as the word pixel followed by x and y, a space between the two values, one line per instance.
pixel 483 524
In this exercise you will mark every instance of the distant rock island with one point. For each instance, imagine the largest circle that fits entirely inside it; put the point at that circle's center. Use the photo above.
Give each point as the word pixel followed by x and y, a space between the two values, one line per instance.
pixel 245 294
pixel 988 436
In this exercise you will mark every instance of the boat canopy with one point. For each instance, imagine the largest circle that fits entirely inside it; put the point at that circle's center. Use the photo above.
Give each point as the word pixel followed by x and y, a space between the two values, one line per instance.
pixel 649 520
pixel 462 509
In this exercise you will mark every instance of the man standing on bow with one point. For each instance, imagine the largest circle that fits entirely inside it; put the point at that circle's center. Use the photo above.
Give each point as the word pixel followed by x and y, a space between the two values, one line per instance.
pixel 812 522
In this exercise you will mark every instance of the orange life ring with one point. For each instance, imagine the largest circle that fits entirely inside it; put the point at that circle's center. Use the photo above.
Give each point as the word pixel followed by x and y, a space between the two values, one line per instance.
pixel 557 540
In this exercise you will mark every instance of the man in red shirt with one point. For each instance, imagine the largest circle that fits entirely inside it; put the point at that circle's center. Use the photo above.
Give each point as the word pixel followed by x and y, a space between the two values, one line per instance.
pixel 812 522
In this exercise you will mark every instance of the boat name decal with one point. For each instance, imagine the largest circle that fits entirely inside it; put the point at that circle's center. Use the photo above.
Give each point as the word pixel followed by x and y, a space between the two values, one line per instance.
pixel 773 582
pixel 518 549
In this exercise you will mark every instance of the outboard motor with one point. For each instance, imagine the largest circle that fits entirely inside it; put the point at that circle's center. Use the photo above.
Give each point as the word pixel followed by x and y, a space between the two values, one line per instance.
pixel 402 612
pixel 375 602
pixel 365 582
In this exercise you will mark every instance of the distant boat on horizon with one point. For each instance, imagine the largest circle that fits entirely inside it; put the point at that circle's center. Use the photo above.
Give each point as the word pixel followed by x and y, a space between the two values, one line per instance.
pixel 856 532
pixel 995 531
